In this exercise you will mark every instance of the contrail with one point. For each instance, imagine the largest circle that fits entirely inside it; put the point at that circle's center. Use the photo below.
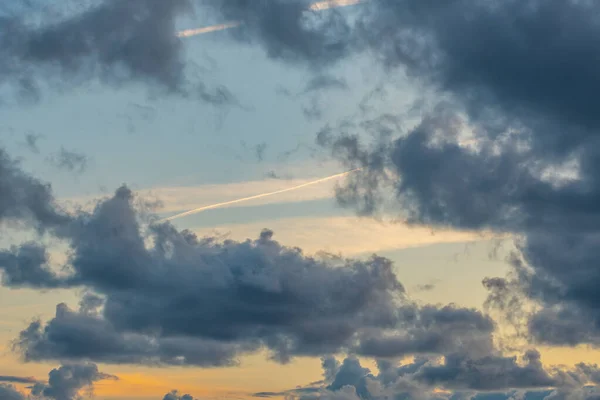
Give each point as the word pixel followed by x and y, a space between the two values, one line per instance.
pixel 318 6
pixel 207 29
pixel 258 196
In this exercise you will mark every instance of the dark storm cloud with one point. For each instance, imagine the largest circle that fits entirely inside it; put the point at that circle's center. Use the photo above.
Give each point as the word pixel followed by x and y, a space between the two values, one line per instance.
pixel 522 77
pixel 189 301
pixel 205 300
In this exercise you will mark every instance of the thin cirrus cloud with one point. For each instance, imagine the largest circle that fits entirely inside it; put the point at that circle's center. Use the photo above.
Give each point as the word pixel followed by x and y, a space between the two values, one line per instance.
pixel 318 6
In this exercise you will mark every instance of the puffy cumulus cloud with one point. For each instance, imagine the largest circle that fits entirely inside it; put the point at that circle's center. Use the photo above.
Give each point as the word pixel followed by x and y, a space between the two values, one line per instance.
pixel 25 200
pixel 530 164
pixel 457 376
pixel 174 395
pixel 430 329
pixel 184 300
pixel 65 382
pixel 160 296
pixel 9 392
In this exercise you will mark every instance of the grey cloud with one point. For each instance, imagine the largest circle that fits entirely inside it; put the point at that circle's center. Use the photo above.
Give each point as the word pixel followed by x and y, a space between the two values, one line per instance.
pixel 25 199
pixel 31 141
pixel 174 395
pixel 142 46
pixel 74 48
pixel 488 377
pixel 9 392
pixel 17 379
pixel 190 301
pixel 28 266
pixel 65 382
pixel 239 295
pixel 282 28
pixel 69 160
pixel 77 335
pixel 302 392
pixel 321 82
pixel 509 73
pixel 431 329
pixel 488 373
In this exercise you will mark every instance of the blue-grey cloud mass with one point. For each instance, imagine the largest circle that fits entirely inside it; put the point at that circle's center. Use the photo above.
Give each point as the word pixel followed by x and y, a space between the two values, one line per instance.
pixel 508 144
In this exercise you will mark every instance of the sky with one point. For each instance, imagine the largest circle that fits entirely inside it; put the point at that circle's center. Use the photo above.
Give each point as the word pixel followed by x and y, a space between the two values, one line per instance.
pixel 279 199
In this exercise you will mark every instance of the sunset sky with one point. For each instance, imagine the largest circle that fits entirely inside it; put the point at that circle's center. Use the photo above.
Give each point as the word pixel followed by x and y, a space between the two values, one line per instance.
pixel 459 259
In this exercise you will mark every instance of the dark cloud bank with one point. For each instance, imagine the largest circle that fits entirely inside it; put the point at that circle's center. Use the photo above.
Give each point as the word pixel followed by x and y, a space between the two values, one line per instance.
pixel 113 41
pixel 161 297
pixel 521 75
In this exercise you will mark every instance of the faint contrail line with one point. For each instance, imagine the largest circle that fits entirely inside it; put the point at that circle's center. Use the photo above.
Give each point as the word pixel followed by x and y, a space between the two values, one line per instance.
pixel 318 6
pixel 258 196
pixel 207 29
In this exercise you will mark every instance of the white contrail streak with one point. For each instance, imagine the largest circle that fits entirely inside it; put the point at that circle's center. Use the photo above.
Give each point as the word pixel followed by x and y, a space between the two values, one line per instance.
pixel 327 4
pixel 258 196
pixel 318 6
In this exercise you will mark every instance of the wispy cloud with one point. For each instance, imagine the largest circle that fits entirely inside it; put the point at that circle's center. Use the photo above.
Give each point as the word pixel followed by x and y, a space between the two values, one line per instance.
pixel 346 235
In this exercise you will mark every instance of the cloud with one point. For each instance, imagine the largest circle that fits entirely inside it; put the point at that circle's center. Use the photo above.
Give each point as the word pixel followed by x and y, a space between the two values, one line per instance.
pixel 457 376
pixel 31 141
pixel 25 200
pixel 323 82
pixel 283 29
pixel 9 392
pixel 69 160
pixel 17 379
pixel 288 302
pixel 65 382
pixel 530 166
pixel 71 43
pixel 142 48
pixel 174 395
pixel 149 281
